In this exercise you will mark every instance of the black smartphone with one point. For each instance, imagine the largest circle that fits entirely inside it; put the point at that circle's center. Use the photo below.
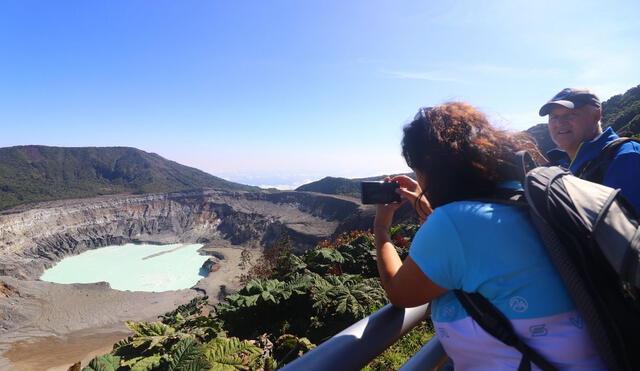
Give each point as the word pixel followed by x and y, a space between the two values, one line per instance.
pixel 379 192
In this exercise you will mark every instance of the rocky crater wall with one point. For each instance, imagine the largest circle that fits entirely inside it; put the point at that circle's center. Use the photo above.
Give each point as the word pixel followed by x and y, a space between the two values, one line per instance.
pixel 33 238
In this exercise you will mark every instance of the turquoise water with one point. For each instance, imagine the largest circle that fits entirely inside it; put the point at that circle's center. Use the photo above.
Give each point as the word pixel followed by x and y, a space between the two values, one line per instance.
pixel 132 267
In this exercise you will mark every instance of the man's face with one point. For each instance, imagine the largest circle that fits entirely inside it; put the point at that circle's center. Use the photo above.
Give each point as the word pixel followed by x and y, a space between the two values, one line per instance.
pixel 570 127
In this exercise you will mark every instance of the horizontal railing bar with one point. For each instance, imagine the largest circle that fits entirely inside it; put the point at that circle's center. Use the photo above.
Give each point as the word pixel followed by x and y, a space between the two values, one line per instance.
pixel 355 346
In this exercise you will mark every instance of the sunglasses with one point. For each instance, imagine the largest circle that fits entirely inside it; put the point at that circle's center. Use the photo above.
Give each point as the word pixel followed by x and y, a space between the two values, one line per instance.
pixel 422 113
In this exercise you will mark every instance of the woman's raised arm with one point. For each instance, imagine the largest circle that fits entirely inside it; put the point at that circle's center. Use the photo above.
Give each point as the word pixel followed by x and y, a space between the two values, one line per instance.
pixel 404 282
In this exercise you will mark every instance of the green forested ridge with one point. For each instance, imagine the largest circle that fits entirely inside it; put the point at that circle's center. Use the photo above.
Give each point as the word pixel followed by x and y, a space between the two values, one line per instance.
pixel 41 173
pixel 289 304
pixel 333 186
pixel 341 186
pixel 622 112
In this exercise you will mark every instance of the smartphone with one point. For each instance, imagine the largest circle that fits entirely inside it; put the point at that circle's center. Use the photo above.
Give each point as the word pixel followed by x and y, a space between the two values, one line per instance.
pixel 379 192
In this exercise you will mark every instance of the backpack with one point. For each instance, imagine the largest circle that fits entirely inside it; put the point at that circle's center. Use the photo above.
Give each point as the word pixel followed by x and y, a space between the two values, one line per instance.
pixel 592 236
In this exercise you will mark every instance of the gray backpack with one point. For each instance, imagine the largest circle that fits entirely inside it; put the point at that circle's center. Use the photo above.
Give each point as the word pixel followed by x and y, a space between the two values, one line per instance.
pixel 592 235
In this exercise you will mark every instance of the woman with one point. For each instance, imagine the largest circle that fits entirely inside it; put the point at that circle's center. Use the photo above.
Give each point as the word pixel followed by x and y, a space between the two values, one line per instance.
pixel 474 246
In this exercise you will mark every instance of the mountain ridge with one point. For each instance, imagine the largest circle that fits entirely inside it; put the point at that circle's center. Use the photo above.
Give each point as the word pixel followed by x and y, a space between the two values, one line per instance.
pixel 622 112
pixel 34 173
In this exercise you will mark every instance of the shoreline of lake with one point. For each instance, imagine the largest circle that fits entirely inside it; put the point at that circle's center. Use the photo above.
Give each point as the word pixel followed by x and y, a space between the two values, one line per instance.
pixel 68 313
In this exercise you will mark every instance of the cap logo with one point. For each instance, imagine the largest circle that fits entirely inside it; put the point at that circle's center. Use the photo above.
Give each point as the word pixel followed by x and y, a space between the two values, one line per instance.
pixel 563 94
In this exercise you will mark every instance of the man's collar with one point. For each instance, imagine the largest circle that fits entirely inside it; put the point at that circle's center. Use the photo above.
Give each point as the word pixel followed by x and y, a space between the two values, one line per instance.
pixel 557 156
pixel 590 150
pixel 598 142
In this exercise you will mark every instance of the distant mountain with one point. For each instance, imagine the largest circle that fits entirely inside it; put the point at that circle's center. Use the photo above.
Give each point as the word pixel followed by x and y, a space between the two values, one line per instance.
pixel 341 186
pixel 333 186
pixel 540 133
pixel 41 173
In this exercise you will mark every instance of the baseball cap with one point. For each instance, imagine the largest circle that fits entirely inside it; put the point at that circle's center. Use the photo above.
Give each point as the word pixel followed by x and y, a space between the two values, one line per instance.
pixel 571 98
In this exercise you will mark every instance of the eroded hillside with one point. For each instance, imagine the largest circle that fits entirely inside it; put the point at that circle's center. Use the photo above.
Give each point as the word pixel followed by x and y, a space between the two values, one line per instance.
pixel 33 238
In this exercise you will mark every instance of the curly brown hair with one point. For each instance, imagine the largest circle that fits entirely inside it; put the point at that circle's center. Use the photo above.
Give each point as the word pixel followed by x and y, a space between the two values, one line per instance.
pixel 460 154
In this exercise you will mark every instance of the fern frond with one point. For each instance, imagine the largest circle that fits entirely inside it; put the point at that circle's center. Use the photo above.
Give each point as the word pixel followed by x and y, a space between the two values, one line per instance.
pixel 150 328
pixel 230 353
pixel 184 352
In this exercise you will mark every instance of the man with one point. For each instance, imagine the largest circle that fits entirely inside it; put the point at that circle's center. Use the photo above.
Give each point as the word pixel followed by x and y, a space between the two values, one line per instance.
pixel 574 126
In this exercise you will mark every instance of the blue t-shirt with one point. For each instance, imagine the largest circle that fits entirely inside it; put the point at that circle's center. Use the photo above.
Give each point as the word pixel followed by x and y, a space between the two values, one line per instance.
pixel 493 249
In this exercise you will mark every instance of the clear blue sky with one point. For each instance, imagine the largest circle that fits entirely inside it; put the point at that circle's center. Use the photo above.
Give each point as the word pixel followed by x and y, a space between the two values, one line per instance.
pixel 281 92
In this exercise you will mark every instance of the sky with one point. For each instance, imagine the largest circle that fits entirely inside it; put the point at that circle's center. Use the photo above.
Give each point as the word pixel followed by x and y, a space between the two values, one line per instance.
pixel 284 92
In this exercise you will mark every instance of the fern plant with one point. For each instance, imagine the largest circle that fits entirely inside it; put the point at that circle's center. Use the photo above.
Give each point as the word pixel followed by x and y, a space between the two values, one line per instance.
pixel 289 347
pixel 339 301
pixel 324 260
pixel 184 311
pixel 187 354
pixel 358 256
pixel 231 354
pixel 266 306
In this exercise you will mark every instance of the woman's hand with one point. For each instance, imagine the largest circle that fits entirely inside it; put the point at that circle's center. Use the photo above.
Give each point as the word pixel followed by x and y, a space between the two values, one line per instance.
pixel 410 190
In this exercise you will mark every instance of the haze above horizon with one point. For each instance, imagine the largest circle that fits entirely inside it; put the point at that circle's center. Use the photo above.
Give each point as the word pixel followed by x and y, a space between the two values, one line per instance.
pixel 283 93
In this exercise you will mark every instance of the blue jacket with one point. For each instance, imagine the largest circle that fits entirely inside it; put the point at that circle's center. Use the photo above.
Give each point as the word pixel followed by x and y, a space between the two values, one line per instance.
pixel 623 172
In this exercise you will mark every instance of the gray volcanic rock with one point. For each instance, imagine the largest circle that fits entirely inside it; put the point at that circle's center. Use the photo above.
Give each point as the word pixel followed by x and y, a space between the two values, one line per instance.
pixel 210 265
pixel 35 237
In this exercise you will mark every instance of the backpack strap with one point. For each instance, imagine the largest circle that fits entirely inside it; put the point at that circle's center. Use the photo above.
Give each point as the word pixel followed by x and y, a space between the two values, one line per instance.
pixel 497 325
pixel 526 163
pixel 595 169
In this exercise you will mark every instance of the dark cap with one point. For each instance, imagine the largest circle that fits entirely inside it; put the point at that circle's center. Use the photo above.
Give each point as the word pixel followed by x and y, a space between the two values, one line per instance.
pixel 571 98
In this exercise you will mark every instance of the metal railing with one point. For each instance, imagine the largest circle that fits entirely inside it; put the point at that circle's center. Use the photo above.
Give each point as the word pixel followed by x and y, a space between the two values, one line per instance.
pixel 357 345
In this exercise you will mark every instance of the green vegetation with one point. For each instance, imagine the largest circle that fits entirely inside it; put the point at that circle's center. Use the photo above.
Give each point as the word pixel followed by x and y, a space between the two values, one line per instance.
pixel 333 186
pixel 40 173
pixel 341 186
pixel 289 303
pixel 622 112
pixel 394 357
